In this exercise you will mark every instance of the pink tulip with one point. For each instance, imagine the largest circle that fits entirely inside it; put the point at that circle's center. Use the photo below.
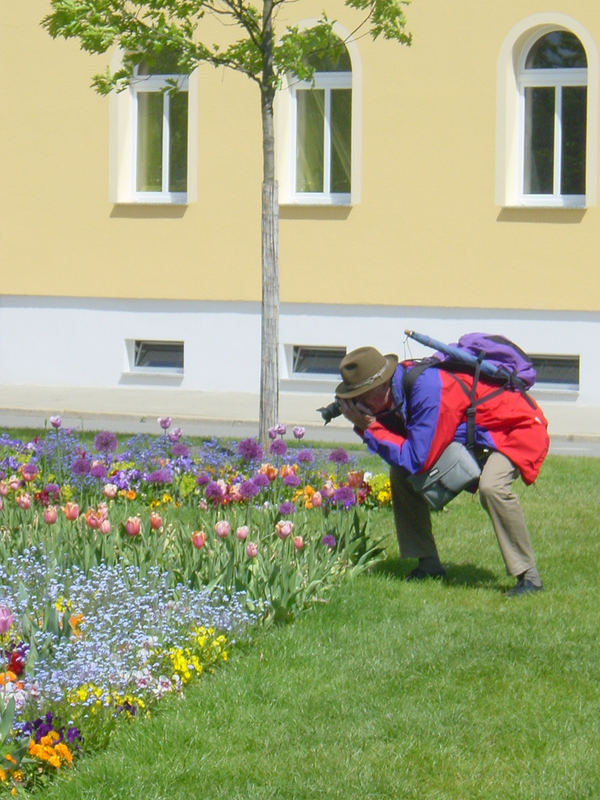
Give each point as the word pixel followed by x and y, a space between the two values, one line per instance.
pixel 316 500
pixel 3 488
pixel 164 422
pixel 133 525
pixel 198 539
pixel 155 521
pixel 242 532
pixel 203 505
pixel 24 501
pixel 104 526
pixel 92 519
pixel 14 483
pixel 50 515
pixel 283 528
pixel 71 510
pixel 327 489
pixel 110 491
pixel 6 619
pixel 29 472
pixel 298 542
pixel 251 550
pixel 56 422
pixel 222 529
pixel 299 432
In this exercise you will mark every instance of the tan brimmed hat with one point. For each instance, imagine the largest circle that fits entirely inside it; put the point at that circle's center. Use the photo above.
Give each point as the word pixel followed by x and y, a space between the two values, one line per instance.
pixel 364 369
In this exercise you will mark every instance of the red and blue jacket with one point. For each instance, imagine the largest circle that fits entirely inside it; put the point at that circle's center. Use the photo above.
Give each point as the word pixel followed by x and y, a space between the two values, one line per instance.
pixel 435 415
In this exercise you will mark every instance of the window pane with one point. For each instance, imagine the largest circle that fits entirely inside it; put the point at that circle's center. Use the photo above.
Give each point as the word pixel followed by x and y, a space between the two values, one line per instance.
pixel 309 144
pixel 556 50
pixel 160 355
pixel 164 63
pixel 562 370
pixel 149 142
pixel 574 106
pixel 341 129
pixel 334 60
pixel 539 141
pixel 317 360
pixel 178 127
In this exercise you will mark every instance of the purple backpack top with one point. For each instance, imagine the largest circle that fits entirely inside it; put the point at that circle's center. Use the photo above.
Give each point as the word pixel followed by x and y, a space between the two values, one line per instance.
pixel 500 358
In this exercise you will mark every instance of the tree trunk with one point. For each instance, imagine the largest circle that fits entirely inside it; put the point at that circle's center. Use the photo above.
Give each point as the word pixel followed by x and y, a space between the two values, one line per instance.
pixel 269 374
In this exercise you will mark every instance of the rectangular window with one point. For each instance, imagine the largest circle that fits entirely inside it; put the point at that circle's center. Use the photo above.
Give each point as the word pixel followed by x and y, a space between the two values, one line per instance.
pixel 574 116
pixel 559 372
pixel 158 356
pixel 317 360
pixel 538 175
pixel 310 145
pixel 161 143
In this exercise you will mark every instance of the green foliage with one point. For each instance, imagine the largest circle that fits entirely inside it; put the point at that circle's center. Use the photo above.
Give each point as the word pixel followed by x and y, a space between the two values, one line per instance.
pixel 145 29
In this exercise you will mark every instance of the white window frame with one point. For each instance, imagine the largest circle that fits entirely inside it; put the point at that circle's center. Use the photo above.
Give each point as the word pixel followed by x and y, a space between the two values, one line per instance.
pixel 510 114
pixel 155 83
pixel 557 79
pixel 286 131
pixel 326 81
pixel 123 139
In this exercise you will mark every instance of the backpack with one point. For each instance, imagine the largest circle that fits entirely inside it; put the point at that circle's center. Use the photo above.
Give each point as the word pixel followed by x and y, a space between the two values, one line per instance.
pixel 494 356
pixel 512 366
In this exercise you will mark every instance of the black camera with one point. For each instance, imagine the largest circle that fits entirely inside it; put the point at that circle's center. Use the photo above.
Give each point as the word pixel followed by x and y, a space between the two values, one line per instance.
pixel 330 412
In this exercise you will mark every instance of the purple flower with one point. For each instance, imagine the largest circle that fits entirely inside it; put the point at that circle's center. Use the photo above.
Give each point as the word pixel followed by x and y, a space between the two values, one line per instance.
pixel 291 479
pixel 260 479
pixel 287 508
pixel 161 475
pixel 344 496
pixel 305 456
pixel 56 422
pixel 281 429
pixel 250 450
pixel 214 490
pixel 273 433
pixel 80 467
pixel 249 489
pixel 339 456
pixel 98 470
pixel 105 442
pixel 202 479
pixel 175 435
pixel 179 449
pixel 278 447
pixel 299 432
pixel 29 471
pixel 328 540
pixel 164 422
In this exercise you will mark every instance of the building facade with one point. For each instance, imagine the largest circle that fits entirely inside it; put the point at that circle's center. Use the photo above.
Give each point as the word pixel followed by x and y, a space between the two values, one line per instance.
pixel 444 187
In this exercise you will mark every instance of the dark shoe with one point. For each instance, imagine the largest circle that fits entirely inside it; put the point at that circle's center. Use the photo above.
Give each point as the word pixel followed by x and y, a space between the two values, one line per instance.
pixel 523 587
pixel 420 574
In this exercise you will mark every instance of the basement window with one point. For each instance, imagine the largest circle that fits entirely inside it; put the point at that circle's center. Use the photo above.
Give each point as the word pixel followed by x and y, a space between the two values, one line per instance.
pixel 158 356
pixel 310 360
pixel 556 372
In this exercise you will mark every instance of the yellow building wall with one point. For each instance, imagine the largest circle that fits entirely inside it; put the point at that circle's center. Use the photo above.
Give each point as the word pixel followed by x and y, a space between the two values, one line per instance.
pixel 426 232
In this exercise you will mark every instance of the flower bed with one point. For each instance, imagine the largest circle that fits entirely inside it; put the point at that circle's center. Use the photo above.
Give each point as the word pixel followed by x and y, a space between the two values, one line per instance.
pixel 127 572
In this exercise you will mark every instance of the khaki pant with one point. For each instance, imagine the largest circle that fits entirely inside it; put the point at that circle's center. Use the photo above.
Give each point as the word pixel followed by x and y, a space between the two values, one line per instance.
pixel 413 518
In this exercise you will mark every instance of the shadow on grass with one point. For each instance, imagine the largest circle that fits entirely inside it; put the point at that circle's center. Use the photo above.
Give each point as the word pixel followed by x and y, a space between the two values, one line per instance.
pixel 463 574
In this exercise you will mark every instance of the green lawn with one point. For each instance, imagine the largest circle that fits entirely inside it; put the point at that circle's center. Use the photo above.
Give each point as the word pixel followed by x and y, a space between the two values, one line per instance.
pixel 401 690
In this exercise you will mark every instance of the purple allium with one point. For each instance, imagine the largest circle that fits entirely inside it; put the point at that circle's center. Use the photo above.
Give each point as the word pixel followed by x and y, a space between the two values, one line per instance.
pixel 105 442
pixel 29 471
pixel 260 479
pixel 162 475
pixel 287 508
pixel 328 540
pixel 214 490
pixel 339 456
pixel 278 447
pixel 249 489
pixel 344 496
pixel 98 470
pixel 180 449
pixel 203 479
pixel 52 488
pixel 291 479
pixel 305 456
pixel 250 450
pixel 80 467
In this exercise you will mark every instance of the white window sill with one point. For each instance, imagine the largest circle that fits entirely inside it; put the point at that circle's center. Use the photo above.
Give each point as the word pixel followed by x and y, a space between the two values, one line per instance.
pixel 317 200
pixel 545 201
pixel 149 376
pixel 155 199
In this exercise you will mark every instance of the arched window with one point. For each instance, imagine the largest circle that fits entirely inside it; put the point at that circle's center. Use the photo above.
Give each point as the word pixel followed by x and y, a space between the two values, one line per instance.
pixel 321 132
pixel 159 96
pixel 552 83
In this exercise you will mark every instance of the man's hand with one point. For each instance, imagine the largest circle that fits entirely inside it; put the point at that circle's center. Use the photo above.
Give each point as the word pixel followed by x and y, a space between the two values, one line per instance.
pixel 358 414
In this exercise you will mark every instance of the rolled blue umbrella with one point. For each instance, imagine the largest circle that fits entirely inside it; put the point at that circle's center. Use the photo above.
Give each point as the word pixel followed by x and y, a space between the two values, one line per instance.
pixel 487 367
